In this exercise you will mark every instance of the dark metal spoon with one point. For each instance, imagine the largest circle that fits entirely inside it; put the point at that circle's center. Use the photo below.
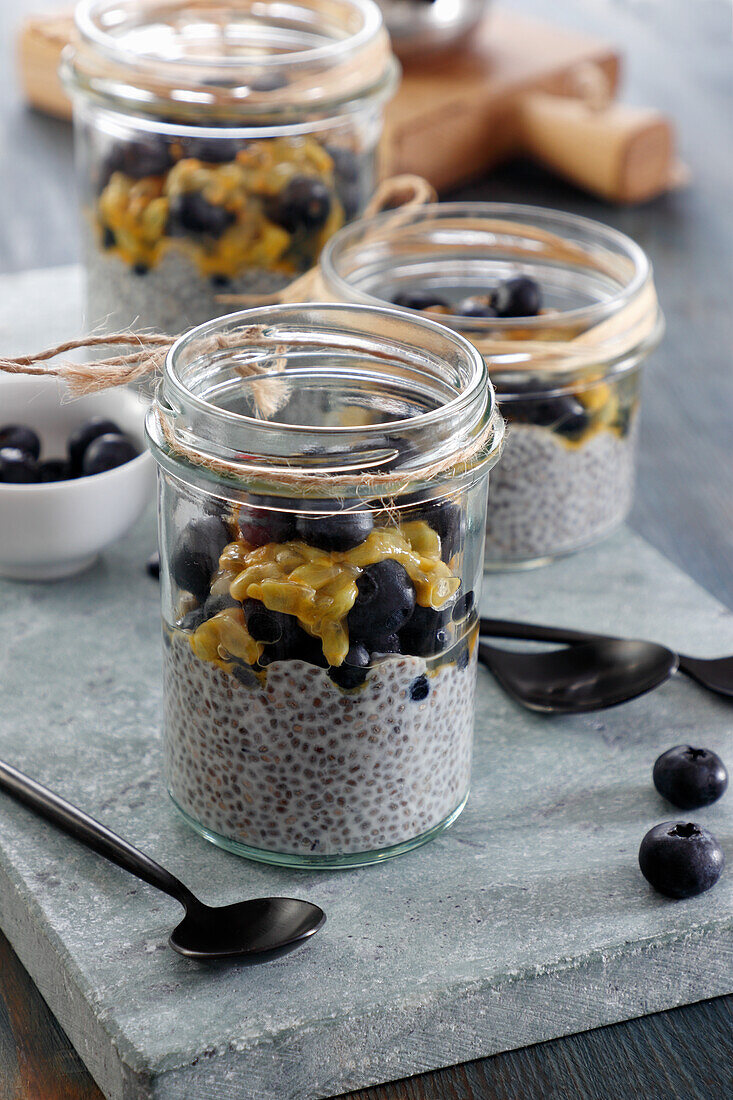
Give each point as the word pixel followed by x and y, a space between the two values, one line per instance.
pixel 249 929
pixel 713 673
pixel 582 678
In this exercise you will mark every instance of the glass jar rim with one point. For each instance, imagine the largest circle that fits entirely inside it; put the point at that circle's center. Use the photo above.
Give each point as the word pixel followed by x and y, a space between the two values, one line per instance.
pixel 209 79
pixel 642 268
pixel 372 333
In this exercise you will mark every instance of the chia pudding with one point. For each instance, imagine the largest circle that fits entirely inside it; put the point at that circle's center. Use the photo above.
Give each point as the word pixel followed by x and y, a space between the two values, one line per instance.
pixel 297 765
pixel 549 497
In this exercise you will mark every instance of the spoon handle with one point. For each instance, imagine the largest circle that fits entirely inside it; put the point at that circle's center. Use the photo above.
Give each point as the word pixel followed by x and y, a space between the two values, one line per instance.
pixel 531 632
pixel 85 829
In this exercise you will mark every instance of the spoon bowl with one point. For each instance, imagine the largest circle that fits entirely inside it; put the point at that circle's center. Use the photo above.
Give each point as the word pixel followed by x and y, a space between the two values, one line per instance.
pixel 257 927
pixel 583 678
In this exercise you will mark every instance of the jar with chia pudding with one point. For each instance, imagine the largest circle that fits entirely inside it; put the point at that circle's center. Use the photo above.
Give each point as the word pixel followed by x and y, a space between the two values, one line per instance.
pixel 564 311
pixel 323 474
pixel 219 146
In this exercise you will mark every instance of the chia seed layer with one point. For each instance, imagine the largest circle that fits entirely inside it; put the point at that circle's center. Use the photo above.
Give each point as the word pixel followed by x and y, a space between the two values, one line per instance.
pixel 548 498
pixel 171 297
pixel 301 767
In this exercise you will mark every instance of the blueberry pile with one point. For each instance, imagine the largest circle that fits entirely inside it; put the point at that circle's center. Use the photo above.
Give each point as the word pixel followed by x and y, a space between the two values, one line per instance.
pixel 519 296
pixel 385 617
pixel 96 446
pixel 681 859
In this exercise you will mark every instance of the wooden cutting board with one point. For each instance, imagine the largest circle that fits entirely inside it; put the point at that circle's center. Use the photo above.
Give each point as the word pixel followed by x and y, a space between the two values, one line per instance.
pixel 517 86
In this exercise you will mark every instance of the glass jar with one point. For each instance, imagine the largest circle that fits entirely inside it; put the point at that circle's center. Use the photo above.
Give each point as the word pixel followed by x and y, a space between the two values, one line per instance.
pixel 219 146
pixel 564 312
pixel 321 541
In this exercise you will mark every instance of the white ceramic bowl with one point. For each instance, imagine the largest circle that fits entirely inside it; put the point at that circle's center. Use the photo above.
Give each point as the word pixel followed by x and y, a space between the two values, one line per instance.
pixel 56 529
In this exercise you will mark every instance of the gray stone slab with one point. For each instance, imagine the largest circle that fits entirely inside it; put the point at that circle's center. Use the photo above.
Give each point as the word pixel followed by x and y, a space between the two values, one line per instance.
pixel 528 920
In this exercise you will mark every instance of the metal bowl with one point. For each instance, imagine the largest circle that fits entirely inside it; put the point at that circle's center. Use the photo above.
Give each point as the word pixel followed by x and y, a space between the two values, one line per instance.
pixel 418 27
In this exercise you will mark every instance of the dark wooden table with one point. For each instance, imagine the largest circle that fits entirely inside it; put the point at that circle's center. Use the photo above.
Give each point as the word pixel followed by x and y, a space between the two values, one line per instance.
pixel 680 58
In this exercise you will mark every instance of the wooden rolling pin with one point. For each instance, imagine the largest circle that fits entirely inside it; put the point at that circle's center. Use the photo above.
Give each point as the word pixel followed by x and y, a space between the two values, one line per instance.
pixel 521 88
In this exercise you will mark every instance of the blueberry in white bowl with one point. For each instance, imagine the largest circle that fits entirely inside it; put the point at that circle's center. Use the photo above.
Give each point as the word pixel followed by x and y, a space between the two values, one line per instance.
pixel 680 859
pixel 690 778
pixel 56 522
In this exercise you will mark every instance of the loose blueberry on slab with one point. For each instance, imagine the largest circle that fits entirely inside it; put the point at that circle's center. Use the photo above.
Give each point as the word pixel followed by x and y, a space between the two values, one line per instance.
pixel 426 632
pixel 22 438
pixel 80 439
pixel 352 673
pixel 419 299
pixel 342 530
pixel 54 469
pixel 304 203
pixel 196 554
pixel 271 520
pixel 690 778
pixel 152 566
pixel 474 307
pixel 517 297
pixel 107 452
pixel 385 601
pixel 17 467
pixel 419 688
pixel 190 212
pixel 680 859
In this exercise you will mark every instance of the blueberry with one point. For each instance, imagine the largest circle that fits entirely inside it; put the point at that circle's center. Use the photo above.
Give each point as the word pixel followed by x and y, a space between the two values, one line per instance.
pixel 140 268
pixel 517 297
pixel 463 607
pixel 213 150
pixel 244 673
pixel 419 688
pixel 84 435
pixel 107 452
pixel 426 632
pixel 192 620
pixel 268 626
pixel 474 307
pixel 463 656
pixel 690 778
pixel 17 467
pixel 564 414
pixel 196 554
pixel 22 438
pixel 353 671
pixel 304 203
pixel 268 82
pixel 152 566
pixel 136 159
pixel 55 469
pixel 295 644
pixel 390 644
pixel 270 520
pixel 109 240
pixel 220 281
pixel 215 604
pixel 190 212
pixel 342 530
pixel 385 601
pixel 447 519
pixel 680 859
pixel 418 299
